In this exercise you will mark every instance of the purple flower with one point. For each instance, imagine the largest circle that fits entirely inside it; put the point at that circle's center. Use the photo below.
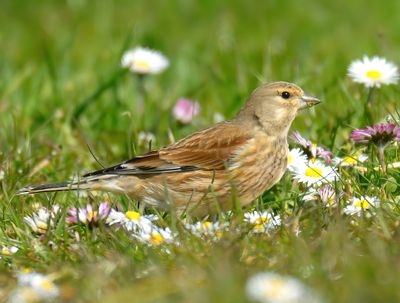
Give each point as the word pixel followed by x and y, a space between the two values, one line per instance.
pixel 312 150
pixel 299 139
pixel 379 134
pixel 87 215
pixel 326 194
pixel 324 154
pixel 185 110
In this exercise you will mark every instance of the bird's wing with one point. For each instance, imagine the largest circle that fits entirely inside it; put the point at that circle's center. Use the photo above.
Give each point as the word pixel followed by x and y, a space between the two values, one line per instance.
pixel 147 164
pixel 208 149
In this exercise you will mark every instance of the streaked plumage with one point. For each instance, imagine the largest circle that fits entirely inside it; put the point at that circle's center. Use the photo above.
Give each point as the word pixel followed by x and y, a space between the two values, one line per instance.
pixel 245 156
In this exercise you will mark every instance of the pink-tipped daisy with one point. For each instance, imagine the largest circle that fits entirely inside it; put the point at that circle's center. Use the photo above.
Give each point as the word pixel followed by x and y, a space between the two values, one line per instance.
pixel 185 110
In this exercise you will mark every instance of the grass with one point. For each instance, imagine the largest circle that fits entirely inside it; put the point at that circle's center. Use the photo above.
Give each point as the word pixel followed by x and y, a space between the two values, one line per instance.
pixel 63 94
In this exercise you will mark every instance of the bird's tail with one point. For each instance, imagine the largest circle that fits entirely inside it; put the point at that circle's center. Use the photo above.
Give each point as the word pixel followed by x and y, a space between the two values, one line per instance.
pixel 64 186
pixel 106 182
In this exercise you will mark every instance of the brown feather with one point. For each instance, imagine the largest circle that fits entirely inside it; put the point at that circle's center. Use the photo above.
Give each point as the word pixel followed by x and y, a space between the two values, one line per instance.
pixel 207 149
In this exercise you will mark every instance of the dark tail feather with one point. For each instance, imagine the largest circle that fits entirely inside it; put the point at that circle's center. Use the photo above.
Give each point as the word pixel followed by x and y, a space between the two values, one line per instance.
pixel 65 186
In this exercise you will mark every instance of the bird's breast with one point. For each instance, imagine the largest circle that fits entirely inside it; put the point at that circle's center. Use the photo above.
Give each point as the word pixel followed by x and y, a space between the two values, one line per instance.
pixel 258 165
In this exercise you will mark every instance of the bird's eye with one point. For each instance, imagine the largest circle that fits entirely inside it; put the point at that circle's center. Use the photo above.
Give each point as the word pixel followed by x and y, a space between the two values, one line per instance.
pixel 285 95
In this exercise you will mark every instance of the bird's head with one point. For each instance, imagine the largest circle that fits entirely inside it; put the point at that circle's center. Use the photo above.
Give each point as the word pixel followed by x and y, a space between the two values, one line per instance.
pixel 275 105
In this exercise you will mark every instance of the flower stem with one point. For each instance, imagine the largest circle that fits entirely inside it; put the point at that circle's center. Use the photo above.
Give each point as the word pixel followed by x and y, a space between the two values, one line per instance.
pixel 368 105
pixel 381 158
pixel 141 92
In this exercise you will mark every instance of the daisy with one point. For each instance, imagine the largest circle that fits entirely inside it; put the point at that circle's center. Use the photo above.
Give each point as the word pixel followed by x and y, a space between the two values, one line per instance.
pixel 315 173
pixel 40 221
pixel 270 287
pixel 8 251
pixel 143 61
pixel 146 138
pixel 34 287
pixel 350 160
pixel 380 134
pixel 88 215
pixel 155 236
pixel 207 229
pixel 185 110
pixel 361 205
pixel 262 221
pixel 131 220
pixel 373 72
pixel 2 174
pixel 296 159
pixel 218 117
pixel 325 194
pixel 311 149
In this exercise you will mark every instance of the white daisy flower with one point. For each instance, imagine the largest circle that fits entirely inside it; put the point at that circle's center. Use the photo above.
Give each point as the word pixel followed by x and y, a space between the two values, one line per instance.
pixel 40 221
pixel 218 117
pixel 155 236
pixel 8 251
pixel 361 205
pixel 296 158
pixel 207 229
pixel 2 174
pixel 315 173
pixel 144 61
pixel 270 287
pixel 373 72
pixel 144 138
pixel 350 160
pixel 34 287
pixel 131 220
pixel 262 221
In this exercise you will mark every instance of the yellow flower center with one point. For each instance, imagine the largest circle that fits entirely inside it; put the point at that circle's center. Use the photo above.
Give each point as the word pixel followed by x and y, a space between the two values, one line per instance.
pixel 277 288
pixel 258 227
pixel 349 160
pixel 206 225
pixel 143 65
pixel 132 215
pixel 47 285
pixel 313 172
pixel 42 226
pixel 156 239
pixel 374 74
pixel 36 206
pixel 364 204
pixel 5 252
pixel 290 159
pixel 262 220
pixel 92 214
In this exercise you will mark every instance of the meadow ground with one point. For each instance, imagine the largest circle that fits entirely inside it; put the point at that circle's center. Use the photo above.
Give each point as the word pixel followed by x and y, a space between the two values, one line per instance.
pixel 64 97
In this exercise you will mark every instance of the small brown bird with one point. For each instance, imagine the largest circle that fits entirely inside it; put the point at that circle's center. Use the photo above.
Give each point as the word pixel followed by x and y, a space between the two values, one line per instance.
pixel 204 172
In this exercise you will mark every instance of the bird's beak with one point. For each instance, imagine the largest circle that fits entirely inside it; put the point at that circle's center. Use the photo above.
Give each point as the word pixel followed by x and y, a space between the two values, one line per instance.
pixel 308 101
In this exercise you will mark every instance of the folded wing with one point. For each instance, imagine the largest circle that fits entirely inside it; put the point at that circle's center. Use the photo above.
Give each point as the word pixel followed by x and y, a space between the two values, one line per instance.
pixel 208 149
